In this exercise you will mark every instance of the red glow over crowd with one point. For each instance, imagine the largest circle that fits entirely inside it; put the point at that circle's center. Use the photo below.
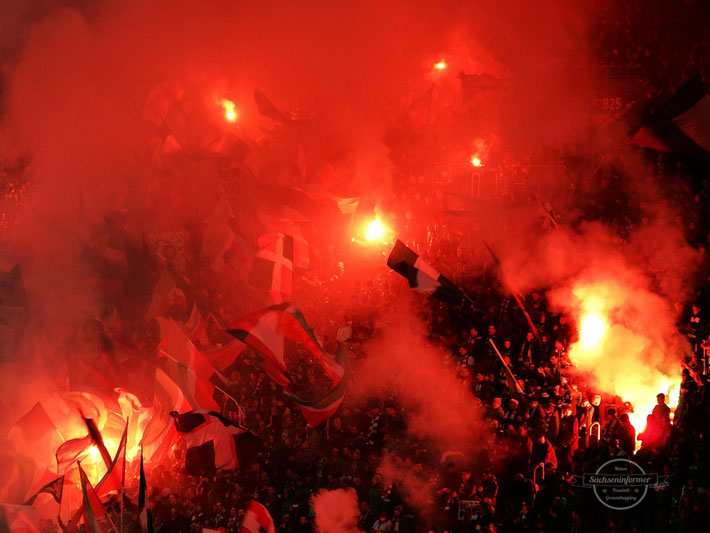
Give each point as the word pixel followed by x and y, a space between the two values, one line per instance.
pixel 407 281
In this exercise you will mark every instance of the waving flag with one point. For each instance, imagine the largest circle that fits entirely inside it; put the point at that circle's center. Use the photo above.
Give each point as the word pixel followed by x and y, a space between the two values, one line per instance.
pixel 272 268
pixel 266 331
pixel 318 411
pixel 189 369
pixel 681 125
pixel 176 345
pixel 257 519
pixel 421 276
pixel 195 328
pixel 516 294
pixel 223 358
pixel 198 392
pixel 93 508
pixel 214 443
pixel 71 450
pixel 114 478
pixel 170 397
pixel 55 488
pixel 35 424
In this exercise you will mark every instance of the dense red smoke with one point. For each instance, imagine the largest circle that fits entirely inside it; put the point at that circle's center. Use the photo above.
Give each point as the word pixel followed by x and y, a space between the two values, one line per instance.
pixel 410 479
pixel 401 363
pixel 336 511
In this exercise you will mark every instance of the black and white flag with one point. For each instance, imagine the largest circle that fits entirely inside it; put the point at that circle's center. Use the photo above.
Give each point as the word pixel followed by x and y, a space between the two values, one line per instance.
pixel 421 276
pixel 214 443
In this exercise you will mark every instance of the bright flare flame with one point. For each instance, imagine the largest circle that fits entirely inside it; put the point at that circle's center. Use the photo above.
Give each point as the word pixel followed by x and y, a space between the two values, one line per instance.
pixel 626 357
pixel 592 330
pixel 475 161
pixel 230 112
pixel 441 65
pixel 375 230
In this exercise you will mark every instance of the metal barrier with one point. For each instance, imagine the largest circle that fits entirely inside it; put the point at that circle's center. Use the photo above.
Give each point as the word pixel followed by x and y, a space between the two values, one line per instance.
pixel 599 430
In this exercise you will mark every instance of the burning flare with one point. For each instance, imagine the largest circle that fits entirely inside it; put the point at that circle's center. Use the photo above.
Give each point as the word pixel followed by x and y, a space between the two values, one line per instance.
pixel 230 112
pixel 622 344
pixel 441 65
pixel 591 330
pixel 375 230
pixel 476 161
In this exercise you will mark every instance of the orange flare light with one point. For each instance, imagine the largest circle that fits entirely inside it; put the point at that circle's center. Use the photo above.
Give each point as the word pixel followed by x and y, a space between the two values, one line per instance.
pixel 375 230
pixel 618 345
pixel 591 330
pixel 230 112
pixel 373 233
pixel 475 161
pixel 441 65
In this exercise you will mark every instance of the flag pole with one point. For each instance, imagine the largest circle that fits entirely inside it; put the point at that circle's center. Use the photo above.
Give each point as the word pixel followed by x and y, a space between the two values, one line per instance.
pixel 211 315
pixel 123 474
pixel 550 214
pixel 515 294
pixel 505 365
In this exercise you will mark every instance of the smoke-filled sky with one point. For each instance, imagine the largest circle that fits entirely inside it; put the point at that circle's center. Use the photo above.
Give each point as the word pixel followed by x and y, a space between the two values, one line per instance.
pixel 77 75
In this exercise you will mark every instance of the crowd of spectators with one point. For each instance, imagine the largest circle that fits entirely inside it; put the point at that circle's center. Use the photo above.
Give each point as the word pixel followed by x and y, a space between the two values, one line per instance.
pixel 522 479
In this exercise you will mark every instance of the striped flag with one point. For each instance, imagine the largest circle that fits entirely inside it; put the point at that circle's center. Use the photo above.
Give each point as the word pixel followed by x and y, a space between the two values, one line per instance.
pixel 318 411
pixel 257 519
pixel 177 346
pixel 267 330
pixel 421 276
pixel 198 392
pixel 189 370
pixel 169 395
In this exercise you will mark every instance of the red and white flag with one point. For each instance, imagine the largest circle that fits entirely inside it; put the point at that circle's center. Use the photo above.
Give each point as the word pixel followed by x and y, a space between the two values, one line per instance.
pixel 257 519
pixel 272 268
pixel 266 331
